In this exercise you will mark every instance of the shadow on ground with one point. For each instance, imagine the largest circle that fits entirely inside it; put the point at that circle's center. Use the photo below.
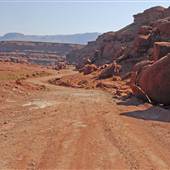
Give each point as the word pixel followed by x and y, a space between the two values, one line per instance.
pixel 133 101
pixel 153 113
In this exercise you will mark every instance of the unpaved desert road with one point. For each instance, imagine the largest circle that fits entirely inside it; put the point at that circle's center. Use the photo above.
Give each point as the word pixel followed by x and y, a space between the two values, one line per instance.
pixel 76 129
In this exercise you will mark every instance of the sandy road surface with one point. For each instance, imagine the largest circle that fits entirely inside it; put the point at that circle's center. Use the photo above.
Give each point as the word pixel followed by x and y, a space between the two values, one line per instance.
pixel 65 128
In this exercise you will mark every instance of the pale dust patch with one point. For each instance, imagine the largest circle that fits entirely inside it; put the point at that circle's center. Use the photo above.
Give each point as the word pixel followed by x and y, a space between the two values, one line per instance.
pixel 10 101
pixel 79 124
pixel 39 104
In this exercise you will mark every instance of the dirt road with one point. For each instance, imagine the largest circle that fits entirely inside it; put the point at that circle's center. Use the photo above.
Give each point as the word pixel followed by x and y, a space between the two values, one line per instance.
pixel 65 128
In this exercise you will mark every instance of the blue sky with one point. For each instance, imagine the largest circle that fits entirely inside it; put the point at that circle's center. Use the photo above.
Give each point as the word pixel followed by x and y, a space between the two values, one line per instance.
pixel 47 17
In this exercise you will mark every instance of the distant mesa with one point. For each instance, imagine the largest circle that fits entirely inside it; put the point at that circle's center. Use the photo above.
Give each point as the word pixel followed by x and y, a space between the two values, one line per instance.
pixel 14 35
pixel 83 38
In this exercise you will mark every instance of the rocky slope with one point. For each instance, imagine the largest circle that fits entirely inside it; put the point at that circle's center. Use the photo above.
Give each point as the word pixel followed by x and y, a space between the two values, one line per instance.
pixel 145 42
pixel 131 42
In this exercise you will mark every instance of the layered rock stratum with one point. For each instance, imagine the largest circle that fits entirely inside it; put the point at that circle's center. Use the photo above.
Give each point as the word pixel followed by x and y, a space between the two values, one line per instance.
pixel 41 53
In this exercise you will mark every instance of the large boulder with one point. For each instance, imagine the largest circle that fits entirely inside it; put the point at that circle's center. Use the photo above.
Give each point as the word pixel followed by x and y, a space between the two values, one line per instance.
pixel 59 65
pixel 89 68
pixel 160 50
pixel 112 69
pixel 145 30
pixel 150 15
pixel 153 81
pixel 135 76
pixel 141 43
pixel 164 29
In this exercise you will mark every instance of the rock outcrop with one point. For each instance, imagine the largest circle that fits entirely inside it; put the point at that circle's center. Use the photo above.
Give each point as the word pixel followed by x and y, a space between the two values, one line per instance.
pixel 160 49
pixel 147 42
pixel 110 70
pixel 129 45
pixel 152 81
pixel 87 69
pixel 59 65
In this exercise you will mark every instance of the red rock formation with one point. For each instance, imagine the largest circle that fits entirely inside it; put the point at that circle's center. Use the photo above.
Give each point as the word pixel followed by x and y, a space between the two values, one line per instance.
pixel 160 50
pixel 155 81
pixel 147 38
pixel 141 43
pixel 130 44
pixel 59 66
pixel 152 81
pixel 149 15
pixel 87 69
pixel 112 69
pixel 145 30
pixel 135 76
